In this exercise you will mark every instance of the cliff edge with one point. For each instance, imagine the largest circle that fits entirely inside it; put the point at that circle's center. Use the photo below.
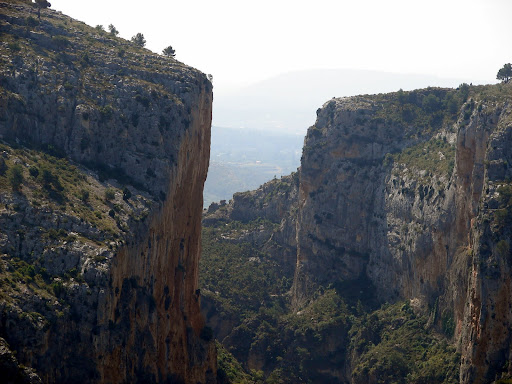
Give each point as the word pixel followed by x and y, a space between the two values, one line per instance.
pixel 104 153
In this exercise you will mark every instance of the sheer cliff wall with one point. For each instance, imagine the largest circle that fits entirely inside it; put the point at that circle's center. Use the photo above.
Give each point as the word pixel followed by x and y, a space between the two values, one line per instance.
pixel 401 196
pixel 114 250
pixel 413 205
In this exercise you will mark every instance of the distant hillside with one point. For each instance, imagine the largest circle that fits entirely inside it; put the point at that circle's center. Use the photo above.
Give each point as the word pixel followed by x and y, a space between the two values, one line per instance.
pixel 287 103
pixel 243 159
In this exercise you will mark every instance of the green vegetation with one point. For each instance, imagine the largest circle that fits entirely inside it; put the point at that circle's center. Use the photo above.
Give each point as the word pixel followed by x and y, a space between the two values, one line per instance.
pixel 505 73
pixel 421 112
pixel 126 193
pixel 227 263
pixel 18 272
pixel 60 42
pixel 110 194
pixel 31 22
pixel 389 342
pixel 139 40
pixel 83 195
pixel 15 177
pixel 435 156
pixel 57 184
pixel 396 346
pixel 229 370
pixel 169 52
pixel 41 4
pixel 113 30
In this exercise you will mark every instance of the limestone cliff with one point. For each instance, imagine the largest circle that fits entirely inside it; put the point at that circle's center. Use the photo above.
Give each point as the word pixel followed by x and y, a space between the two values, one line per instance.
pixel 100 241
pixel 403 196
pixel 413 207
pixel 486 319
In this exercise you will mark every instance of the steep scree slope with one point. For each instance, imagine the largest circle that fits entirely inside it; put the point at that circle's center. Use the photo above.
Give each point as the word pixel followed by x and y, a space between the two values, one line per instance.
pixel 100 241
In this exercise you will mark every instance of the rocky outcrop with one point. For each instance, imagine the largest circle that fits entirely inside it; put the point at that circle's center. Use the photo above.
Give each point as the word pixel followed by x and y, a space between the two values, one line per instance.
pixel 486 321
pixel 11 370
pixel 414 210
pixel 110 253
pixel 274 202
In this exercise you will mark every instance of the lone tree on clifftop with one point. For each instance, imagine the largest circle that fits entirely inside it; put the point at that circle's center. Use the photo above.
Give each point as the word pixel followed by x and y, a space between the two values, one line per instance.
pixel 505 73
pixel 113 30
pixel 41 4
pixel 139 39
pixel 169 52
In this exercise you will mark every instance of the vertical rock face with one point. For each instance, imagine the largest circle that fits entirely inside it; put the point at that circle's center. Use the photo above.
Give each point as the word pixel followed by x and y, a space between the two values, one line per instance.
pixel 153 303
pixel 405 195
pixel 340 195
pixel 486 328
pixel 137 127
pixel 363 210
pixel 423 211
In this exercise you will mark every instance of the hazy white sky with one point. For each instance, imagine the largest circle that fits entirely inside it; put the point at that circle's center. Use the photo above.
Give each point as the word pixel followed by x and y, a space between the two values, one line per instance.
pixel 240 42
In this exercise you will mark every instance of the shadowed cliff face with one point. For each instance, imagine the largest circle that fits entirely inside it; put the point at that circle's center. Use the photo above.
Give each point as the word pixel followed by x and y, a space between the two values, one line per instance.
pixel 116 248
pixel 154 303
pixel 486 324
pixel 341 186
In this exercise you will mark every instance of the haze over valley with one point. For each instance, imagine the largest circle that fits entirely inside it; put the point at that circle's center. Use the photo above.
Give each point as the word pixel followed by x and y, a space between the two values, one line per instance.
pixel 242 159
pixel 258 130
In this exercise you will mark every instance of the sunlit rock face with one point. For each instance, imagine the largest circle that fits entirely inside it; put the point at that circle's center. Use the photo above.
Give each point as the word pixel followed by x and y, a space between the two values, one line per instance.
pixel 117 299
pixel 406 195
pixel 422 211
